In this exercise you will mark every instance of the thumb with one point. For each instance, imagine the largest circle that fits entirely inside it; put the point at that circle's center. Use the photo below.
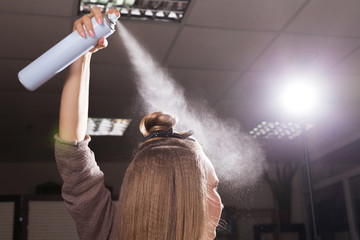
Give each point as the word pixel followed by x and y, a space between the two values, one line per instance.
pixel 102 43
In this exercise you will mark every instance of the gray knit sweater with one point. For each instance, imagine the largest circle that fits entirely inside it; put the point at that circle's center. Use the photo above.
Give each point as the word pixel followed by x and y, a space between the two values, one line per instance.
pixel 84 193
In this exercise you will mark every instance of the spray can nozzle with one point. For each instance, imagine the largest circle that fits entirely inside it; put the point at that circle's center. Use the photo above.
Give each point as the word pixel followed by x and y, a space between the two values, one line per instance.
pixel 111 20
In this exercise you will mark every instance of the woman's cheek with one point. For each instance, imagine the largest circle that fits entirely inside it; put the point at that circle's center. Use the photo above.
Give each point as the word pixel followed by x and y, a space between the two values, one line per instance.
pixel 215 205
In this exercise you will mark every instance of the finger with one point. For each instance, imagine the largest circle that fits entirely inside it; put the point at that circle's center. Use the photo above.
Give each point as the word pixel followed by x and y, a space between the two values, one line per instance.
pixel 102 43
pixel 96 12
pixel 113 10
pixel 86 21
pixel 79 28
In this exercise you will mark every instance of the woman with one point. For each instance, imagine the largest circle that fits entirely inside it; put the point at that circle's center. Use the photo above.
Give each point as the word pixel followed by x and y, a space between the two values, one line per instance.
pixel 169 189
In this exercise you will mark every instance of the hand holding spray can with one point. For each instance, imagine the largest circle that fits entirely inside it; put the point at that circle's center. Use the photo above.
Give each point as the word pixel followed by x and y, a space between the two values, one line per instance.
pixel 64 53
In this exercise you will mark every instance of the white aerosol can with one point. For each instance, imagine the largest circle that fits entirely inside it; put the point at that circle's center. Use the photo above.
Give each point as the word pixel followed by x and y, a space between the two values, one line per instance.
pixel 64 53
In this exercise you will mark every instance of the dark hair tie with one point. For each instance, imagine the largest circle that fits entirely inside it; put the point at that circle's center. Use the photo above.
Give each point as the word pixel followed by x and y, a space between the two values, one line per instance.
pixel 169 133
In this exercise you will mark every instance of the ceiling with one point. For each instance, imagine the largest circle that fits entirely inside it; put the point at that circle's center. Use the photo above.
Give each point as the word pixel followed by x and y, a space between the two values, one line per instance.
pixel 232 53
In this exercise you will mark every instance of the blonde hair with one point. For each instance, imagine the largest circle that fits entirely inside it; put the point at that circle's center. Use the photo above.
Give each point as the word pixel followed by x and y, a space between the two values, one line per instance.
pixel 163 195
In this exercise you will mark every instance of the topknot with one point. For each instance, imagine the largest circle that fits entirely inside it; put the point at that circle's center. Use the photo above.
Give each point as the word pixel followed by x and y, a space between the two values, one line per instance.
pixel 156 121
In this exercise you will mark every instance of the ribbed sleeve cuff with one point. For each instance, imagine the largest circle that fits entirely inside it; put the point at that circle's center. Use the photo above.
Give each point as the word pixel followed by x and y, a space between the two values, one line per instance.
pixel 73 143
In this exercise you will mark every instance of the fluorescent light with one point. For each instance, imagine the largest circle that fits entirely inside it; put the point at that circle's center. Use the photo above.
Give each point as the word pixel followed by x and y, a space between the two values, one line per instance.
pixel 152 10
pixel 124 11
pixel 172 15
pixel 129 2
pixel 135 12
pixel 107 126
pixel 149 13
pixel 160 14
pixel 119 2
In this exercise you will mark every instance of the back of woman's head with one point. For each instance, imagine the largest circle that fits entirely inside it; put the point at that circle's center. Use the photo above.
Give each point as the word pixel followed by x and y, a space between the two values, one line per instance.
pixel 163 195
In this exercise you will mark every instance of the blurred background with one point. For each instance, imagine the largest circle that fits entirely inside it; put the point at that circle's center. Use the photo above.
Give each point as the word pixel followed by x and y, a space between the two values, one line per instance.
pixel 235 56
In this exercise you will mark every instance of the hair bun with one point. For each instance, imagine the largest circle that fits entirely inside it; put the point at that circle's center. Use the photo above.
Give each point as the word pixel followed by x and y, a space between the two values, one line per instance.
pixel 156 121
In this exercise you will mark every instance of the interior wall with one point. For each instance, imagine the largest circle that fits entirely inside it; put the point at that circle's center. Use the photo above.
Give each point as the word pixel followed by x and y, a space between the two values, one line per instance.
pixel 22 178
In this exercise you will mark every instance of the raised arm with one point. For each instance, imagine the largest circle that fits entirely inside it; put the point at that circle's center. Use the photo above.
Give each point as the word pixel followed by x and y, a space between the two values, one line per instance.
pixel 83 190
pixel 75 94
pixel 74 101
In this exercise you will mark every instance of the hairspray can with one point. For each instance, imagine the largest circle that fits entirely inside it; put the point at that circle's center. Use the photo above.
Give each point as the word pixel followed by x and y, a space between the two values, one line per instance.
pixel 64 53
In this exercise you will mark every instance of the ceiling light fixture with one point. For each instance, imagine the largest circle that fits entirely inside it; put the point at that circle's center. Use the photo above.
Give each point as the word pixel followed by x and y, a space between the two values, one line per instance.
pixel 107 126
pixel 278 130
pixel 160 14
pixel 124 11
pixel 172 15
pixel 162 10
pixel 135 12
pixel 149 13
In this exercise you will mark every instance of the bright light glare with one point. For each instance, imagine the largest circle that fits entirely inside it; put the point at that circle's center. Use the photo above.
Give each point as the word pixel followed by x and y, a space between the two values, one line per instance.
pixel 300 98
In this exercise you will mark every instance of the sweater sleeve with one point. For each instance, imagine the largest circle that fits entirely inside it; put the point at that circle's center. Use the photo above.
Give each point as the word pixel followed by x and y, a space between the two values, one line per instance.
pixel 83 190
